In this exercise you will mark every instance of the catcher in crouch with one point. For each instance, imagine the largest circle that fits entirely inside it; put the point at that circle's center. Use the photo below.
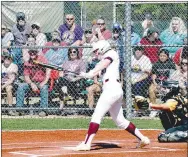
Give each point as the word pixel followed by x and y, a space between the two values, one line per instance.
pixel 111 97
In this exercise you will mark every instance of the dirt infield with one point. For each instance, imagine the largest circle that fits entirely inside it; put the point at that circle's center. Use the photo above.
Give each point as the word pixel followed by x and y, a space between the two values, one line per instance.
pixel 107 143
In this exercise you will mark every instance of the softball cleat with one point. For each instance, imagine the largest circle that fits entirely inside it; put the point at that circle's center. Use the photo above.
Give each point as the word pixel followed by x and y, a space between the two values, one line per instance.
pixel 144 142
pixel 82 147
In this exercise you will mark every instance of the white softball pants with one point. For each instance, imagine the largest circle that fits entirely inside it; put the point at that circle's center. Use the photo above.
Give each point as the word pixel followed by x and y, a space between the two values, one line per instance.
pixel 111 100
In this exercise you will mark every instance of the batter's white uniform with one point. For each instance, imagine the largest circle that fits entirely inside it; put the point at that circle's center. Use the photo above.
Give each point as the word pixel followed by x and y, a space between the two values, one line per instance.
pixel 112 94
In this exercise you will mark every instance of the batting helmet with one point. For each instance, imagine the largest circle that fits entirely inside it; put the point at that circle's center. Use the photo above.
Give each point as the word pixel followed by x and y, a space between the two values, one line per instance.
pixel 102 46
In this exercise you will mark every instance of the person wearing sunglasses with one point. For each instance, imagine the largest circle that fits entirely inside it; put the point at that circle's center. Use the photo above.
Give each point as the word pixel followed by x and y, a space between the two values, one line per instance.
pixel 20 30
pixel 70 32
pixel 9 71
pixel 35 79
pixel 68 84
pixel 100 30
pixel 88 39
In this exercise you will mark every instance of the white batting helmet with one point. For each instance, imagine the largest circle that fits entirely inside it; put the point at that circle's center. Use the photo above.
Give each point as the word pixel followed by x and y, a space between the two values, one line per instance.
pixel 102 45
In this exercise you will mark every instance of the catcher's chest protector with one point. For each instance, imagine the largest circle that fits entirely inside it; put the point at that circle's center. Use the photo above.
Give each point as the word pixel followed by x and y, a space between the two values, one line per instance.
pixel 176 117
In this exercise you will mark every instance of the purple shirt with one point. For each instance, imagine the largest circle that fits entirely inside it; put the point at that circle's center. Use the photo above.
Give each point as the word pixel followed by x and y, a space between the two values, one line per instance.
pixel 69 36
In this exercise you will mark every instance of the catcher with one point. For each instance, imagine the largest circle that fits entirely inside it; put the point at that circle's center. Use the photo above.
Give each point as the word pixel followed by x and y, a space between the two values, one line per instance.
pixel 173 115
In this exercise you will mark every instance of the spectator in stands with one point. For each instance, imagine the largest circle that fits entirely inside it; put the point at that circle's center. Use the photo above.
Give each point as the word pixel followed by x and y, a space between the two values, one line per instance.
pixel 9 72
pixel 20 30
pixel 30 42
pixel 7 38
pixel 160 72
pixel 101 32
pixel 87 40
pixel 54 35
pixel 135 38
pixel 151 39
pixel 181 51
pixel 141 68
pixel 174 35
pixel 117 43
pixel 36 79
pixel 56 56
pixel 39 36
pixel 68 81
pixel 71 33
pixel 147 23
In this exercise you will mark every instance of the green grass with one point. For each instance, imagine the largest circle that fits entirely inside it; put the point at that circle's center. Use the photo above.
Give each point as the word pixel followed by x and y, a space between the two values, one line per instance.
pixel 70 123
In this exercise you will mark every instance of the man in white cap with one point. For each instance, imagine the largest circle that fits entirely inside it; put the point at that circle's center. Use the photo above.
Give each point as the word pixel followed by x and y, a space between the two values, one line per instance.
pixel 111 97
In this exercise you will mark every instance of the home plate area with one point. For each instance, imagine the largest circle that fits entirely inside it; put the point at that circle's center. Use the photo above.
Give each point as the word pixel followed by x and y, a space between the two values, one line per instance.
pixel 111 148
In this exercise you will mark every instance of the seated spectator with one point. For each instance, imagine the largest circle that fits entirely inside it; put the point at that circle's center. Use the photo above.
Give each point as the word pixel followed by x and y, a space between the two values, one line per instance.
pixel 151 39
pixel 20 30
pixel 30 42
pixel 96 87
pixel 101 32
pixel 9 72
pixel 181 51
pixel 7 38
pixel 55 35
pixel 160 72
pixel 36 79
pixel 117 43
pixel 141 68
pixel 70 32
pixel 174 35
pixel 88 39
pixel 56 56
pixel 68 81
pixel 39 36
pixel 135 38
pixel 147 23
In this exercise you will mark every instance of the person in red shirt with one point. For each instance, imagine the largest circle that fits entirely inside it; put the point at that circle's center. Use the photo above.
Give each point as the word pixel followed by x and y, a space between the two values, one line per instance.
pixel 101 31
pixel 151 39
pixel 179 53
pixel 36 79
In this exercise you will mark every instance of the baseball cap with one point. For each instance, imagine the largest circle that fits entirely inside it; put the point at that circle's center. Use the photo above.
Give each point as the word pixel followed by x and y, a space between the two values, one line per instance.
pixel 152 30
pixel 148 16
pixel 3 26
pixel 20 16
pixel 56 39
pixel 7 55
pixel 36 25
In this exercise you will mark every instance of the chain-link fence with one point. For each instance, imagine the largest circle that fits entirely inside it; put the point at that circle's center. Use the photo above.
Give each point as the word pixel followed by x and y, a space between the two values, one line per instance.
pixel 61 33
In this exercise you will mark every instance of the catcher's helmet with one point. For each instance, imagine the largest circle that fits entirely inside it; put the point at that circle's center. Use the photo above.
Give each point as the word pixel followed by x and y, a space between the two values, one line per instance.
pixel 20 15
pixel 103 46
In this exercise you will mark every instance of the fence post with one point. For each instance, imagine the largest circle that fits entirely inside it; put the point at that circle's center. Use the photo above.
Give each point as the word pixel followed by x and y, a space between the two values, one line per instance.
pixel 128 59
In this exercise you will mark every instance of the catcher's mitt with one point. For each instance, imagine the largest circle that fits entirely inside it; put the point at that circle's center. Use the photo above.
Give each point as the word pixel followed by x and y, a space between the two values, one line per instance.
pixel 140 102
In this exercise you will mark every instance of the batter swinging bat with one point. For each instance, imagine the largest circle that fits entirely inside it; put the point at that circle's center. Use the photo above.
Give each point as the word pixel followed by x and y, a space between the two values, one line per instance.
pixel 50 66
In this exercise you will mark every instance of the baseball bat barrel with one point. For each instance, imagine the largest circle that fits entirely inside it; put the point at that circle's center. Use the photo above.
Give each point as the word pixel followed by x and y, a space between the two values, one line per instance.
pixel 50 66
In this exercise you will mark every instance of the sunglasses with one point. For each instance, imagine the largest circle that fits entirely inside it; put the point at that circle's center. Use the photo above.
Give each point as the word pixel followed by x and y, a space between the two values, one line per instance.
pixel 88 32
pixel 69 19
pixel 100 24
pixel 73 52
pixel 3 28
pixel 35 26
pixel 32 53
pixel 183 63
pixel 21 19
pixel 8 58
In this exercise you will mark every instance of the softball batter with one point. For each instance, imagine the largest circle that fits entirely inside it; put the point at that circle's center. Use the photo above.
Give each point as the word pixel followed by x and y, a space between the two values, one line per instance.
pixel 111 97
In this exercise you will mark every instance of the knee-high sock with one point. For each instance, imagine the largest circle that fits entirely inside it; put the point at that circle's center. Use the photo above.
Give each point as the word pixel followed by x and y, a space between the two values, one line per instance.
pixel 93 128
pixel 134 131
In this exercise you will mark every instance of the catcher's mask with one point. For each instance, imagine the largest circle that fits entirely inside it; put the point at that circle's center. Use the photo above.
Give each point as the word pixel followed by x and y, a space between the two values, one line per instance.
pixel 170 89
